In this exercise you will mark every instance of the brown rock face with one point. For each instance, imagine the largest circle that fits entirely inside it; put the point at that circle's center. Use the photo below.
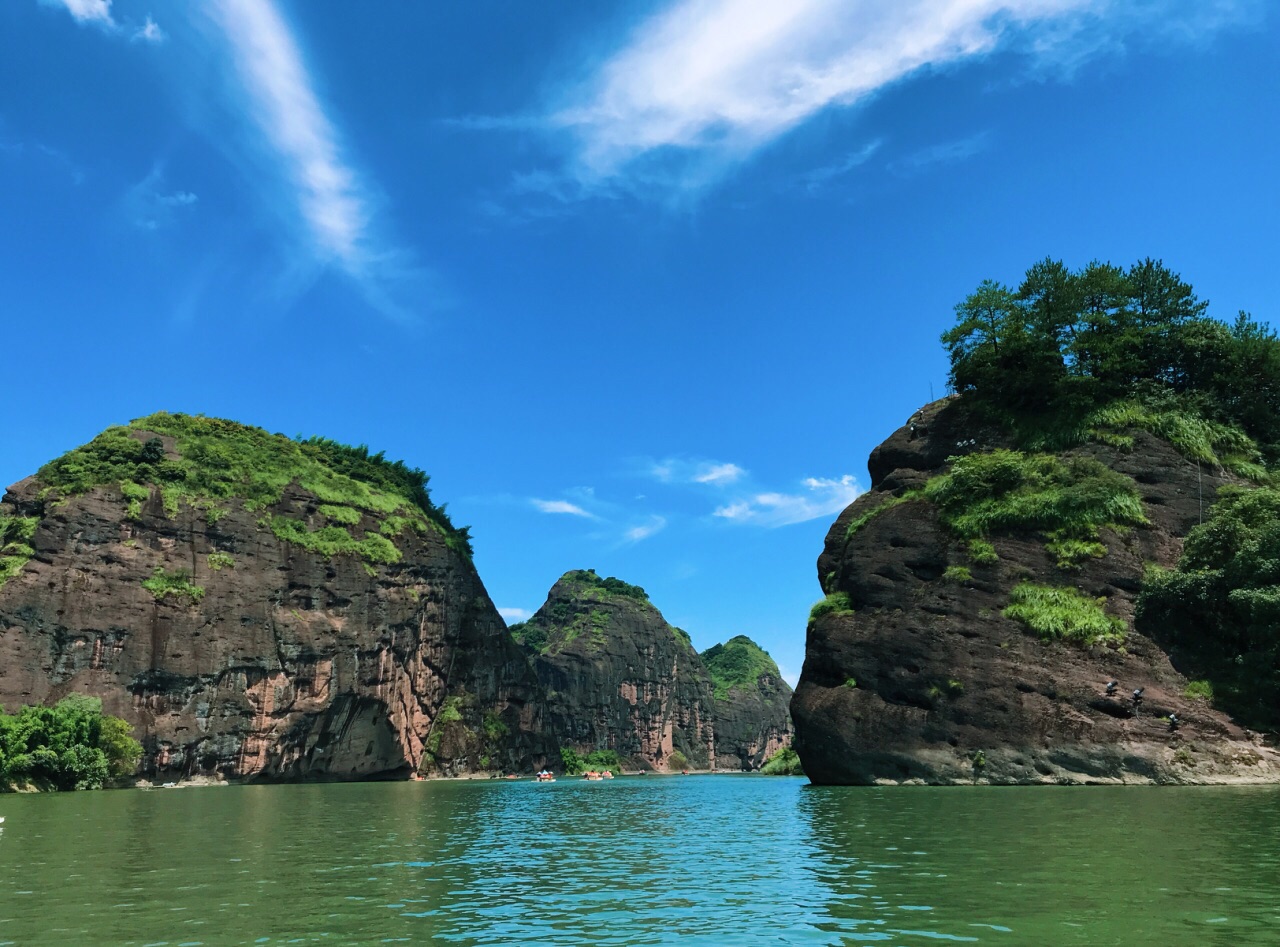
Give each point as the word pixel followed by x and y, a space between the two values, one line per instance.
pixel 288 665
pixel 925 680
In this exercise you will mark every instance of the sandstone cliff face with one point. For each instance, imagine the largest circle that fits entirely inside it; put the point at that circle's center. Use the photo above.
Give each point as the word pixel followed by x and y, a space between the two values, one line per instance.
pixel 617 677
pixel 926 680
pixel 277 662
pixel 752 716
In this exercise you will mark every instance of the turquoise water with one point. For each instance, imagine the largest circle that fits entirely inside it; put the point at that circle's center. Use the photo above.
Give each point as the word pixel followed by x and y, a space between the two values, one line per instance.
pixel 716 860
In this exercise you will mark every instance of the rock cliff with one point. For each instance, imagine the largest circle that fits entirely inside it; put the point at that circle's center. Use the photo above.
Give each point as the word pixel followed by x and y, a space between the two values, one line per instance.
pixel 918 669
pixel 618 677
pixel 752 719
pixel 259 608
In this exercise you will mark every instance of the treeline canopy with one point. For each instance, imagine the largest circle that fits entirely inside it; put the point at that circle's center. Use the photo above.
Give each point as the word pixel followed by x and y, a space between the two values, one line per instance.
pixel 1067 342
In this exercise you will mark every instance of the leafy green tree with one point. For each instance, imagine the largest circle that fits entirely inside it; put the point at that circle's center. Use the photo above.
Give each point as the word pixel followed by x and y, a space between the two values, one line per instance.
pixel 984 321
pixel 71 745
pixel 1067 345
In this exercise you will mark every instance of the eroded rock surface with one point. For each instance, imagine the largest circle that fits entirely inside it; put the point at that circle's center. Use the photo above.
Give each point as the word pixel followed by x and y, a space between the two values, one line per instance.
pixel 286 664
pixel 926 681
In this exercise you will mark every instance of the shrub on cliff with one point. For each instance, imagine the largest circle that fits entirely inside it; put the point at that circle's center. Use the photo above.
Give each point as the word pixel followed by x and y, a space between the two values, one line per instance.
pixel 1051 357
pixel 71 745
pixel 786 762
pixel 1220 609
pixel 835 602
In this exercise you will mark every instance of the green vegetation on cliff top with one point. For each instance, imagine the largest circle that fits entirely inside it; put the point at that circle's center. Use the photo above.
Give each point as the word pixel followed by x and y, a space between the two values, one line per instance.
pixel 1094 353
pixel 559 623
pixel 72 745
pixel 221 460
pixel 587 580
pixel 739 662
pixel 1097 354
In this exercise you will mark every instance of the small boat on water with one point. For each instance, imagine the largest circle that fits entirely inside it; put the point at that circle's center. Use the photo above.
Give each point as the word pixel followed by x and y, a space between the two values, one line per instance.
pixel 607 774
pixel 545 776
pixel 592 776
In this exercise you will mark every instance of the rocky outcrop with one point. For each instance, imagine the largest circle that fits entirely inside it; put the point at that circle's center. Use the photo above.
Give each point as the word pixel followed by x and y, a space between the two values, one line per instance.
pixel 617 677
pixel 914 674
pixel 248 638
pixel 752 720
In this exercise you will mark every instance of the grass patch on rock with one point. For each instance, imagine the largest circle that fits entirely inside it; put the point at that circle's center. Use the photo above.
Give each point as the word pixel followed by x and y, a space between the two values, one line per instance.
pixel 162 584
pixel 1067 500
pixel 858 522
pixel 833 603
pixel 1055 612
pixel 330 541
pixel 15 540
pixel 221 560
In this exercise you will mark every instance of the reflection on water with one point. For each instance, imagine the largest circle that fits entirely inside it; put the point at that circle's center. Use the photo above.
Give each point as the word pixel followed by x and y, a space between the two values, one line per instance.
pixel 655 860
pixel 1088 866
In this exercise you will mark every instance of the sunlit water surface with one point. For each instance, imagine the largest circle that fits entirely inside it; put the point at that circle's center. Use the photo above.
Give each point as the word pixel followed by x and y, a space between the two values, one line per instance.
pixel 717 860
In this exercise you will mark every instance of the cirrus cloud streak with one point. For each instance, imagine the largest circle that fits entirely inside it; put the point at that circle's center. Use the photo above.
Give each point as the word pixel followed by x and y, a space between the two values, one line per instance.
pixel 821 497
pixel 714 80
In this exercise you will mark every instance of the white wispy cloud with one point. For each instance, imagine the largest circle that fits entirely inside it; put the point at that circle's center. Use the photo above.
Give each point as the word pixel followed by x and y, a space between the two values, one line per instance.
pixel 819 177
pixel 325 193
pixel 150 205
pixel 821 497
pixel 43 151
pixel 289 115
pixel 149 32
pixel 714 80
pixel 515 614
pixel 678 470
pixel 719 473
pixel 562 506
pixel 654 524
pixel 97 12
pixel 943 153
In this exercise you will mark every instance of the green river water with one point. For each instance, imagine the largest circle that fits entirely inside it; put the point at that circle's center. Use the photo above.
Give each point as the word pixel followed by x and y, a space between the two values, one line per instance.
pixel 717 860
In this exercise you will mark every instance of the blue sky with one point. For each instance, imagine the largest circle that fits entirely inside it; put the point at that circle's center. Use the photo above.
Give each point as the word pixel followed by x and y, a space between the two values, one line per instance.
pixel 639 285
